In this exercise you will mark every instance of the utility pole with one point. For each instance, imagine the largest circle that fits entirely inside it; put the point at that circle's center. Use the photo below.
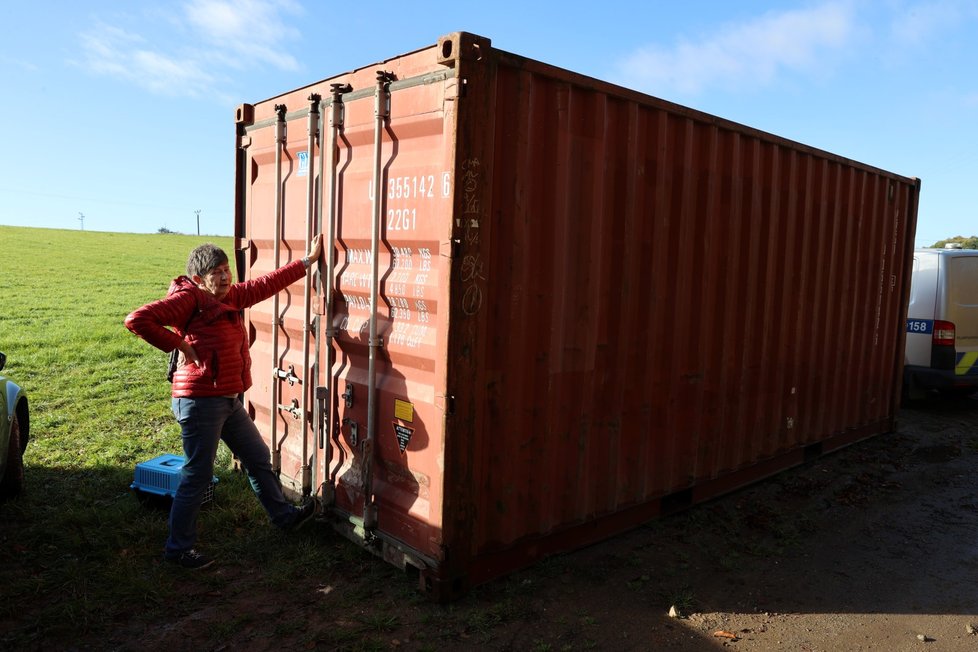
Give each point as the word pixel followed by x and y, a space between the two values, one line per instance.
pixel 81 218
pixel 198 220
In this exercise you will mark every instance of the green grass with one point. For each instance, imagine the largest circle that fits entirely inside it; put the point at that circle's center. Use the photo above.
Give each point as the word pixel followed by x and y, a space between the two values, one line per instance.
pixel 99 404
pixel 98 394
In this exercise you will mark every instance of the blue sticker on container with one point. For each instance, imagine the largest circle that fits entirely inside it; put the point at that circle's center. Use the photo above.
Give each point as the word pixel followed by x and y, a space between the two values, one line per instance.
pixel 920 326
pixel 303 163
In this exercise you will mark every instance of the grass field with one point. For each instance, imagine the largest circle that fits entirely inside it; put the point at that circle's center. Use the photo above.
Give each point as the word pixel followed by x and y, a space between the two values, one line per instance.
pixel 78 551
pixel 80 557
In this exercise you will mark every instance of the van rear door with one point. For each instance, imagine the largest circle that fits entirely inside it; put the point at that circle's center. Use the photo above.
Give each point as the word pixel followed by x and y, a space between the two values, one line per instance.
pixel 962 310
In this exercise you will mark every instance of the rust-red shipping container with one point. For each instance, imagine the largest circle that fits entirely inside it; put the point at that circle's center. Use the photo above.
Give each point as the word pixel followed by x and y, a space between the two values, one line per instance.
pixel 552 308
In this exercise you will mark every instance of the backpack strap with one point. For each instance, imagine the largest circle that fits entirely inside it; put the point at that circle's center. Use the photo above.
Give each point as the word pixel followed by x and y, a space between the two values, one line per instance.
pixel 175 353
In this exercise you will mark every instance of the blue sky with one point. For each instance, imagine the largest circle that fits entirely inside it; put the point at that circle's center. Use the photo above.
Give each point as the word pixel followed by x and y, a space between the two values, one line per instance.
pixel 123 111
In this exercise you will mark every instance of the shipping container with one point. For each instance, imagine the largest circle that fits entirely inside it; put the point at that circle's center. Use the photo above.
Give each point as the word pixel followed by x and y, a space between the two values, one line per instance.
pixel 552 308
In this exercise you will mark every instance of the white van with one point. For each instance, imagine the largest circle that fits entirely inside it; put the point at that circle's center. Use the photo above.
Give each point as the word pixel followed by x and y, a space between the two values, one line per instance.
pixel 942 322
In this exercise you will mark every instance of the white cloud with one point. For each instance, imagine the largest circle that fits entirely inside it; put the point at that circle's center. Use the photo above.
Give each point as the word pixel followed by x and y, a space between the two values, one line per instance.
pixel 192 57
pixel 749 53
pixel 938 35
pixel 114 52
pixel 22 64
pixel 916 24
pixel 249 30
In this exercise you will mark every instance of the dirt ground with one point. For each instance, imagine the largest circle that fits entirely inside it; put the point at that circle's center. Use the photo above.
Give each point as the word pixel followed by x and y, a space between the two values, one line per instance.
pixel 874 547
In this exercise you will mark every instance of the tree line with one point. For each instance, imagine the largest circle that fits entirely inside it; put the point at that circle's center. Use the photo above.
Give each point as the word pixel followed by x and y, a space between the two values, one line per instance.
pixel 970 242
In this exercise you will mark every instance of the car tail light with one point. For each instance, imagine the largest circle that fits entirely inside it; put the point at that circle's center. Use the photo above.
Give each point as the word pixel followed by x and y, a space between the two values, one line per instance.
pixel 943 333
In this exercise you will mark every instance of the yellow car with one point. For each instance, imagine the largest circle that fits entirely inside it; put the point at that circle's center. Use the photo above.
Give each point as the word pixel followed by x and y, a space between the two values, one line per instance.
pixel 15 426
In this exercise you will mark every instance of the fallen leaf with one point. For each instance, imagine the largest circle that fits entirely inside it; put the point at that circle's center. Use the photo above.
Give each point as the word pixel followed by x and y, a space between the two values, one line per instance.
pixel 725 634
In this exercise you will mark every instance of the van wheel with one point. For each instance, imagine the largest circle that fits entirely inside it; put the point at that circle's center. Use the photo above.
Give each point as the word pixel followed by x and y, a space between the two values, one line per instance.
pixel 912 393
pixel 12 483
pixel 957 393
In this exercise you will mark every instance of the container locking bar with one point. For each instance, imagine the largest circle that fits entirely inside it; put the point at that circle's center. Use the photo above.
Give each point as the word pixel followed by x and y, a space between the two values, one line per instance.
pixel 382 100
pixel 337 116
pixel 335 120
pixel 307 290
pixel 280 141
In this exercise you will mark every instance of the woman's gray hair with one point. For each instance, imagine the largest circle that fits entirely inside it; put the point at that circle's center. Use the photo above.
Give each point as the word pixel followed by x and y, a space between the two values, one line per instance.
pixel 205 258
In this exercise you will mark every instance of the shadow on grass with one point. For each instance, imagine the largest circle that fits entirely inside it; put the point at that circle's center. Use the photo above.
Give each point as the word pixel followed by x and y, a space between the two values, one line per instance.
pixel 80 553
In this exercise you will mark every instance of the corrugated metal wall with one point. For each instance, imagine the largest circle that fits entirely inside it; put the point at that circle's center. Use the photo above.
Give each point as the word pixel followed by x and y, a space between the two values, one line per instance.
pixel 672 298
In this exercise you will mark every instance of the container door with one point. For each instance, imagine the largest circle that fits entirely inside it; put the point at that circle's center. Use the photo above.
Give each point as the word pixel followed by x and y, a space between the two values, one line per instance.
pixel 377 436
pixel 400 469
pixel 273 174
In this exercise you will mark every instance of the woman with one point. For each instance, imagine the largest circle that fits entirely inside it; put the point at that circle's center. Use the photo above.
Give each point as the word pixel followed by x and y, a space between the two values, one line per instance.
pixel 204 310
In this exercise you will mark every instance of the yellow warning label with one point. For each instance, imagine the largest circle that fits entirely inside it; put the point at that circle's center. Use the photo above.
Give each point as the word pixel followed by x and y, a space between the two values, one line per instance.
pixel 403 410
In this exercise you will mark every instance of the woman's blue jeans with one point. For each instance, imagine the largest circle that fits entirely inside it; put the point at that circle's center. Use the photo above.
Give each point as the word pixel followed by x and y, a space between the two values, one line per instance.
pixel 204 422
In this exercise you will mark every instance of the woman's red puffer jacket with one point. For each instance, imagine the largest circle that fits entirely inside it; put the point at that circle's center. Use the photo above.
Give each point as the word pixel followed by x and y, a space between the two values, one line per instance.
pixel 214 328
